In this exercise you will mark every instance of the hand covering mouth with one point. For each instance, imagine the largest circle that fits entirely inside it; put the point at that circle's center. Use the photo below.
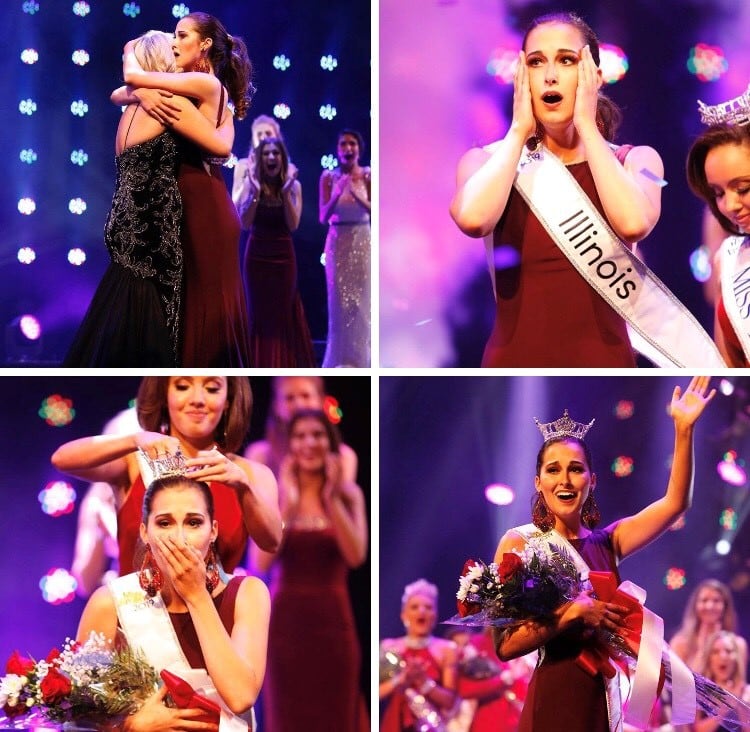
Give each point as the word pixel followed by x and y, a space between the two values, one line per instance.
pixel 551 97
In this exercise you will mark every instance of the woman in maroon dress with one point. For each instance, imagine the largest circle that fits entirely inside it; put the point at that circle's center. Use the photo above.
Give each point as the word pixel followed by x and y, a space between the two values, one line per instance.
pixel 218 624
pixel 206 418
pixel 214 70
pixel 270 206
pixel 562 697
pixel 314 656
pixel 555 103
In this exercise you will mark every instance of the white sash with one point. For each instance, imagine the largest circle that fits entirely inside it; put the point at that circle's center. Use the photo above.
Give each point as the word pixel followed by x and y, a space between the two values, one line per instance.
pixel 543 540
pixel 735 287
pixel 665 331
pixel 148 629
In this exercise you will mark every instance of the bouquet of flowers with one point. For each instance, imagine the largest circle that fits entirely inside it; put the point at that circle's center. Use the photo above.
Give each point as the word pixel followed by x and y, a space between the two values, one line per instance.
pixel 532 583
pixel 88 682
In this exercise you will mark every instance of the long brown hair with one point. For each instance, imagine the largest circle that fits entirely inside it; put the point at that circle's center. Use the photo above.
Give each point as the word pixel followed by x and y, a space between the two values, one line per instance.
pixel 608 115
pixel 229 59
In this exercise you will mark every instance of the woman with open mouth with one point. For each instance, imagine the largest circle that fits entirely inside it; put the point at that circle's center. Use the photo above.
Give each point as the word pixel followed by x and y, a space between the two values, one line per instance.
pixel 560 119
pixel 562 696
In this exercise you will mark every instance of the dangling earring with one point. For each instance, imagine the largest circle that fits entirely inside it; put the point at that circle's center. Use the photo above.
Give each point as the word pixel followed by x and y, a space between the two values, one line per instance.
pixel 149 576
pixel 212 569
pixel 202 65
pixel 590 514
pixel 541 516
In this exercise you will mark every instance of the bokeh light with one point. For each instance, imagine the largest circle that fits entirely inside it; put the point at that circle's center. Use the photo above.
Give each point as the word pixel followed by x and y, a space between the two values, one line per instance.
pixel 58 586
pixel 675 578
pixel 731 469
pixel 57 411
pixel 623 466
pixel 499 494
pixel 707 62
pixel 613 62
pixel 332 410
pixel 57 498
pixel 624 409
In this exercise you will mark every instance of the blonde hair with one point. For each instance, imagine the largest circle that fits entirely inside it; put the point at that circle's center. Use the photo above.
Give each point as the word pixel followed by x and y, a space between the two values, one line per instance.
pixel 738 676
pixel 419 587
pixel 154 51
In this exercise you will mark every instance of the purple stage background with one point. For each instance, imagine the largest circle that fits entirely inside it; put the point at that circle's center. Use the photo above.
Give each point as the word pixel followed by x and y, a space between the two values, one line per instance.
pixel 443 439
pixel 438 99
pixel 34 542
pixel 296 34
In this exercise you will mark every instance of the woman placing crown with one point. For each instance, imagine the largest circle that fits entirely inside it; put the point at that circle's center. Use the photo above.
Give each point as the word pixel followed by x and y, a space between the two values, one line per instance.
pixel 562 696
pixel 718 171
pixel 204 420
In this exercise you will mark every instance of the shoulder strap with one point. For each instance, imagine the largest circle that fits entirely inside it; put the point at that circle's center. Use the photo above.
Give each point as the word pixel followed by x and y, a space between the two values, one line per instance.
pixel 130 124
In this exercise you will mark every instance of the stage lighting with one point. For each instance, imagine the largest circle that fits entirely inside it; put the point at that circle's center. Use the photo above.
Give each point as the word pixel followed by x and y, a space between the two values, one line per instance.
pixel 23 339
pixel 730 469
pixel 723 547
pixel 499 494
pixel 58 586
pixel 57 498
pixel 726 387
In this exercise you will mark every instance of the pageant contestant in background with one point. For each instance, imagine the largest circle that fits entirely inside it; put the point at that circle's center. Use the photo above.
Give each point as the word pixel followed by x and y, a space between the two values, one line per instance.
pixel 288 394
pixel 205 419
pixel 562 696
pixel 314 655
pixel 271 210
pixel 427 682
pixel 718 171
pixel 344 204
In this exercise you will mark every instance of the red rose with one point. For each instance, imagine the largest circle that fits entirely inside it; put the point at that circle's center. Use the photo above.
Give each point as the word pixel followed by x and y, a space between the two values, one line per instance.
pixel 54 686
pixel 52 655
pixel 468 564
pixel 510 565
pixel 15 711
pixel 19 665
pixel 467 608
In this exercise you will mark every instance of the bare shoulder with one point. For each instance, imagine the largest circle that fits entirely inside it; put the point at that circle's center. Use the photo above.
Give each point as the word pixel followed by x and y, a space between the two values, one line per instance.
pixel 644 156
pixel 511 539
pixel 258 451
pixel 253 592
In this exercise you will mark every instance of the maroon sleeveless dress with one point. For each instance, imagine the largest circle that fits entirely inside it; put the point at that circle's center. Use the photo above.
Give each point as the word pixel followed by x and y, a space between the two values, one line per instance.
pixel 562 697
pixel 214 324
pixel 314 658
pixel 547 315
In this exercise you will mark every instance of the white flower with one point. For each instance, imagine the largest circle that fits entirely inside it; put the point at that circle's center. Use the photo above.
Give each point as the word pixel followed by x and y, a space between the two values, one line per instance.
pixel 10 688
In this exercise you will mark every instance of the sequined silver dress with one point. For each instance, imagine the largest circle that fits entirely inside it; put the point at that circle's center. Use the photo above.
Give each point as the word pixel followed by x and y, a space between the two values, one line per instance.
pixel 347 257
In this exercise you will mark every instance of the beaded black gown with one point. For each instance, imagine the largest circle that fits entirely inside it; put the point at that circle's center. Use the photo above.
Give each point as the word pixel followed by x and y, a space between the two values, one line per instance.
pixel 133 319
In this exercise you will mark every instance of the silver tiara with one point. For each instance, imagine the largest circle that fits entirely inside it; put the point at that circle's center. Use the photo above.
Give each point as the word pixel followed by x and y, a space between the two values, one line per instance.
pixel 165 466
pixel 563 427
pixel 734 112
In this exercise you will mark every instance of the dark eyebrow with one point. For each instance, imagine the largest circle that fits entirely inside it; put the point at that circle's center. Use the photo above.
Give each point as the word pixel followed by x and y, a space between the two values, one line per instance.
pixel 558 52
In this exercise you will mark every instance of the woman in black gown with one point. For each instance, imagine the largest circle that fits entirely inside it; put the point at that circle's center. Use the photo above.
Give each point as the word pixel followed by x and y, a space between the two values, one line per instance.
pixel 134 316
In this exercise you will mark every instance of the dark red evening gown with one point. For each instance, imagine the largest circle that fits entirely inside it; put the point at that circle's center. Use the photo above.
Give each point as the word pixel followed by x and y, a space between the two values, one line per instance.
pixel 562 697
pixel 279 334
pixel 546 314
pixel 214 322
pixel 312 679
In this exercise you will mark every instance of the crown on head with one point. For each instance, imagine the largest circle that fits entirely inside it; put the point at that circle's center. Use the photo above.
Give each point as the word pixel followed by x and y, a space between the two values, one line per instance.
pixel 165 466
pixel 734 112
pixel 563 427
